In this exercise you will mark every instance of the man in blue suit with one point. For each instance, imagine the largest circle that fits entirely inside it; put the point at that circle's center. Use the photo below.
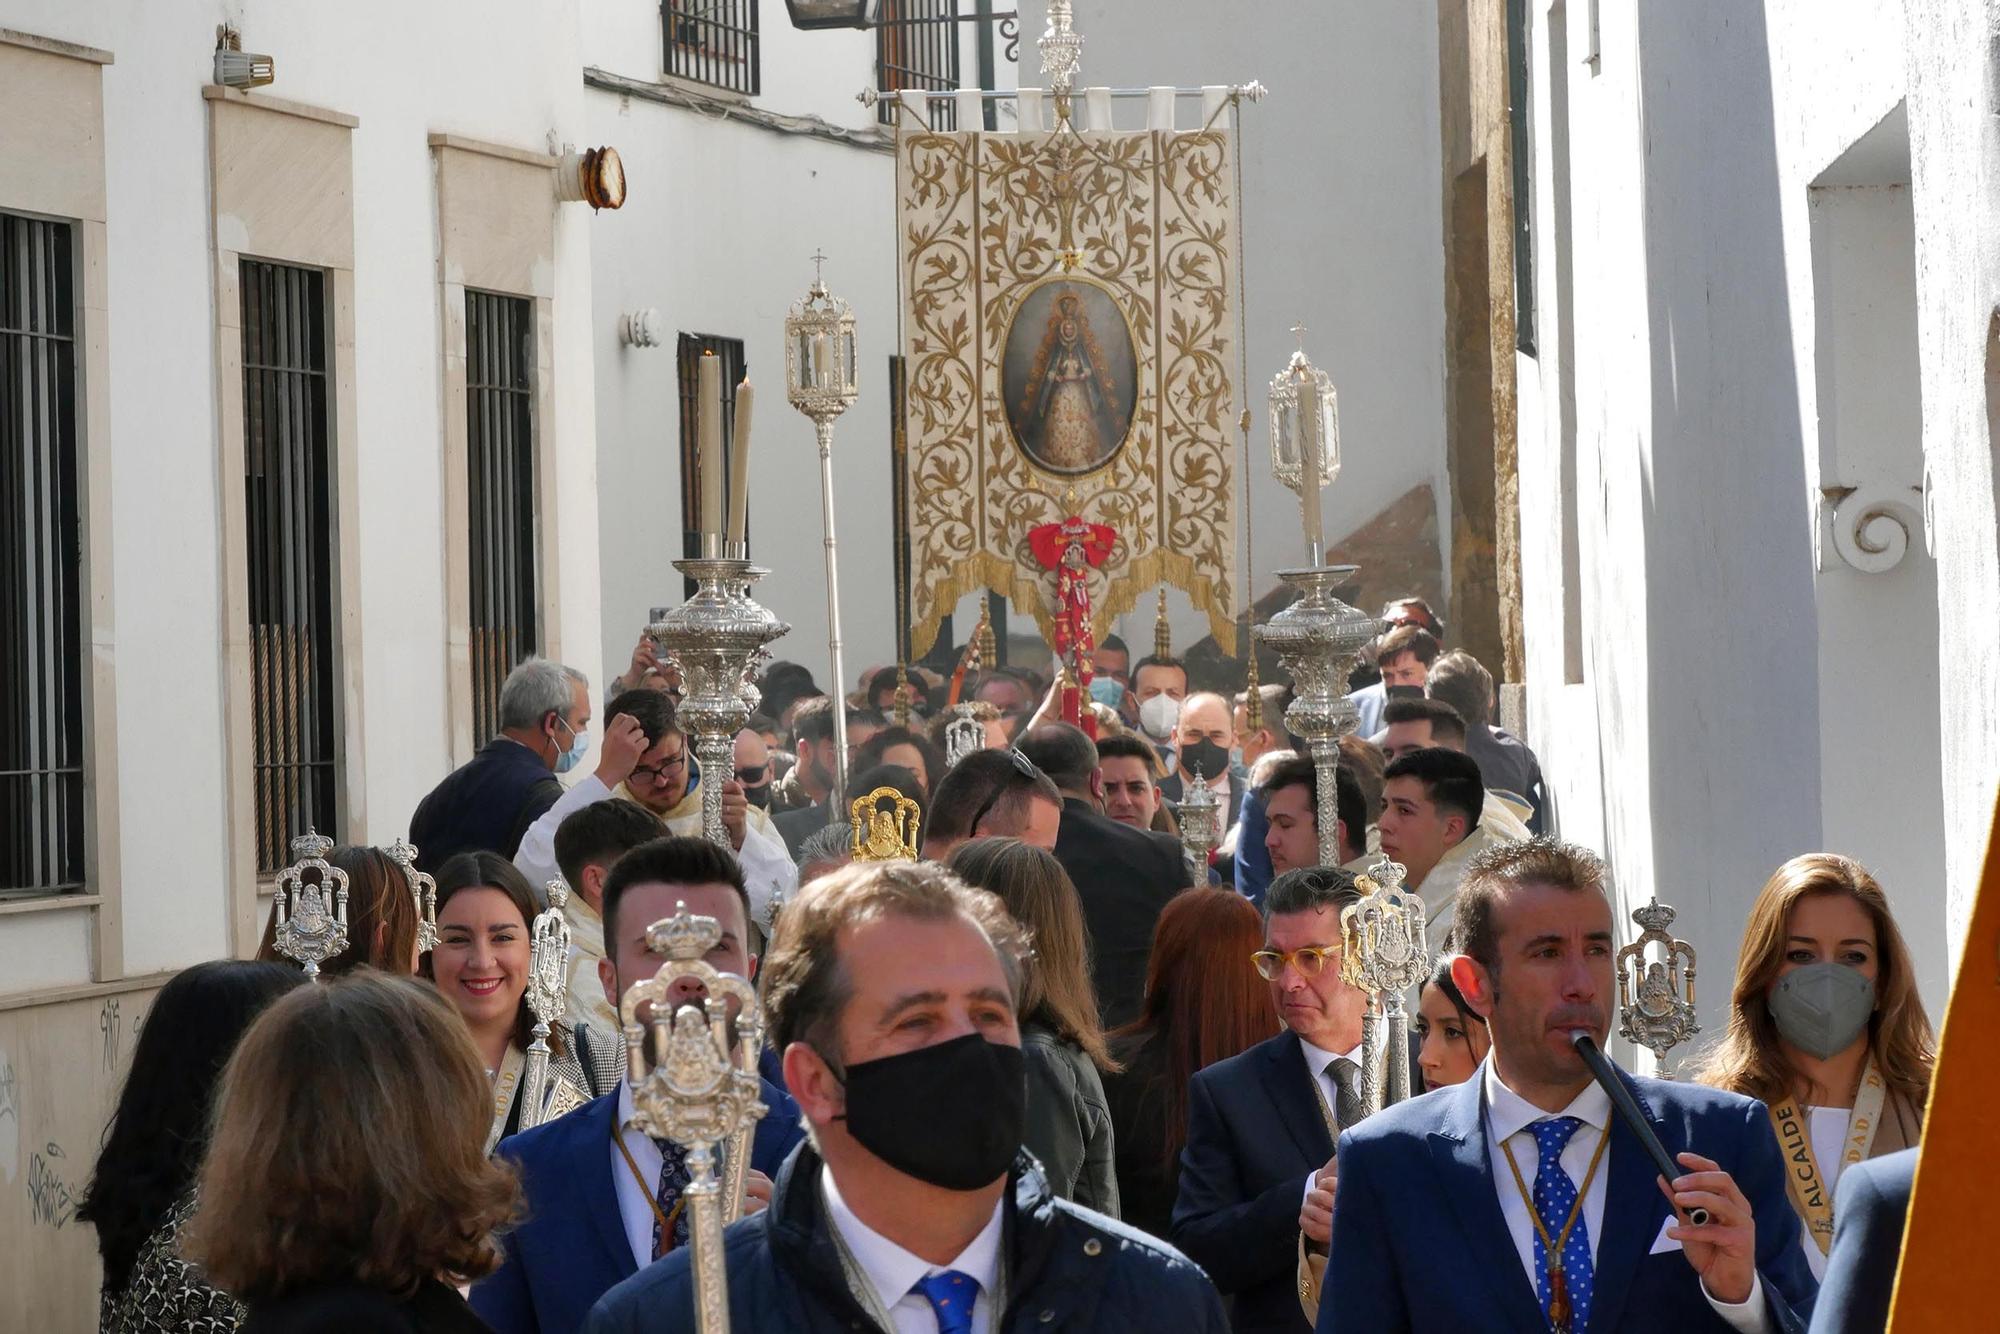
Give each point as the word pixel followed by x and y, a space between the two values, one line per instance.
pixel 1868 1219
pixel 1261 1125
pixel 1518 1200
pixel 602 1198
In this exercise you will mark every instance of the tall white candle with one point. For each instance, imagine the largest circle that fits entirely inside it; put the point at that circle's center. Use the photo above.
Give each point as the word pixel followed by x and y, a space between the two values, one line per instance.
pixel 739 468
pixel 708 425
pixel 822 367
pixel 1308 426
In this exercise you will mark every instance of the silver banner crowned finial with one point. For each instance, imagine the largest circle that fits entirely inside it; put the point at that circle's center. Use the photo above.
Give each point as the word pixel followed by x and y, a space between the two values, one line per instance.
pixel 310 914
pixel 1384 953
pixel 423 893
pixel 1200 819
pixel 1656 996
pixel 548 996
pixel 1062 51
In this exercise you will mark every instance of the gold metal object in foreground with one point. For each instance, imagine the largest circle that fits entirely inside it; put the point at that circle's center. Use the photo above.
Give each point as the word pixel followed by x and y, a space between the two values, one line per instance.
pixel 884 835
pixel 1656 996
pixel 310 914
pixel 1384 953
pixel 703 1093
pixel 547 997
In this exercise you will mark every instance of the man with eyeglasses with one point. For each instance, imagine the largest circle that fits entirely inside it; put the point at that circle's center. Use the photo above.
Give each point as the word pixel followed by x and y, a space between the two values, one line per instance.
pixel 658 763
pixel 1258 1169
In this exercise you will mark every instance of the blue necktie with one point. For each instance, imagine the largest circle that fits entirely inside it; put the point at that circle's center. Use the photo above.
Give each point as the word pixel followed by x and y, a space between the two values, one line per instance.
pixel 951 1295
pixel 674 1179
pixel 1555 1193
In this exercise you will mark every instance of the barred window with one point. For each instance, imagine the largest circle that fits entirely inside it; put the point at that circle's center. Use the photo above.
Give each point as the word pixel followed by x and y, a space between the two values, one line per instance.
pixel 916 46
pixel 689 350
pixel 500 474
pixel 288 488
pixel 714 42
pixel 41 616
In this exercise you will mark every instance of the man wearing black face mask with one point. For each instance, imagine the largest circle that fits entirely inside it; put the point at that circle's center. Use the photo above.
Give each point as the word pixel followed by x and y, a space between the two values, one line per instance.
pixel 1203 740
pixel 891 990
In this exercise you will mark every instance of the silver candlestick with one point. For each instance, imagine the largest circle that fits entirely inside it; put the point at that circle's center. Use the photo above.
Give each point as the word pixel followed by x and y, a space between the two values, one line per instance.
pixel 1200 816
pixel 1316 639
pixel 716 639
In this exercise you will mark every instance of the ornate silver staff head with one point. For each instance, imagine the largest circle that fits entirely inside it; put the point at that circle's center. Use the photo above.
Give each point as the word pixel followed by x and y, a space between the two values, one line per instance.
pixel 311 913
pixel 1200 818
pixel 547 995
pixel 1384 953
pixel 963 735
pixel 1656 995
pixel 423 894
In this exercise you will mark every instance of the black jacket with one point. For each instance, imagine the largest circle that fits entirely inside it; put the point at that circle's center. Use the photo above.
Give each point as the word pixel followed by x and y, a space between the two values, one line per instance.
pixel 490 802
pixel 342 1309
pixel 1068 1128
pixel 1124 877
pixel 1137 1097
pixel 797 825
pixel 1067 1269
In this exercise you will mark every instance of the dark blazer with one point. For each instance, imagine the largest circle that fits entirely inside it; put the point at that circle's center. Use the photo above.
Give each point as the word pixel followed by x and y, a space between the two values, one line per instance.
pixel 1417 1183
pixel 432 1309
pixel 1068 1269
pixel 1255 1134
pixel 1068 1126
pixel 1136 1095
pixel 1870 1204
pixel 1124 876
pixel 796 826
pixel 490 802
pixel 571 1248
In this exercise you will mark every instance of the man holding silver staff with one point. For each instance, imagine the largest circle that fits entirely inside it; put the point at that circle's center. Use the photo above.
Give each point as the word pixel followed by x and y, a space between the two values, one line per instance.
pixel 891 990
pixel 1547 1206
pixel 603 1199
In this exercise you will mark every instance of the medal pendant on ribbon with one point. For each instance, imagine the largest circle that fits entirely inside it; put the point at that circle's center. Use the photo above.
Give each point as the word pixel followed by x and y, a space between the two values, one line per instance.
pixel 1558 1300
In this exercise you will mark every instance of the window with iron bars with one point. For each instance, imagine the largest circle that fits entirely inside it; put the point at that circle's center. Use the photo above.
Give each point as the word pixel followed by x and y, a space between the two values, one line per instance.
pixel 288 492
pixel 500 477
pixel 688 352
pixel 916 46
pixel 41 614
pixel 714 42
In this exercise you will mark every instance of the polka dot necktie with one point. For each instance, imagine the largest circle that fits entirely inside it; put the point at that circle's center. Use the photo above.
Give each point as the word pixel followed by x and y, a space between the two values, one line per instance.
pixel 951 1295
pixel 1555 1193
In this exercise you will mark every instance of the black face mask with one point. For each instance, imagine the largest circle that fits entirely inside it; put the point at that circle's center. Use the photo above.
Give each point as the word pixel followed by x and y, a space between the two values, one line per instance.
pixel 759 796
pixel 949 1114
pixel 1205 755
pixel 1403 692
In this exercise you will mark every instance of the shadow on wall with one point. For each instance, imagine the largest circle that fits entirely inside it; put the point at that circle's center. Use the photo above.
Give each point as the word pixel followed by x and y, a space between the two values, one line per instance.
pixel 1731 641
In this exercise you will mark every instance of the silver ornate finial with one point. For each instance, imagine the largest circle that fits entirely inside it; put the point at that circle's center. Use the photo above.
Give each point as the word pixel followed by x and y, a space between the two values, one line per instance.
pixel 1656 996
pixel 1062 50
pixel 547 997
pixel 1299 332
pixel 704 1093
pixel 310 914
pixel 423 893
pixel 1384 952
pixel 963 735
pixel 1200 818
pixel 819 270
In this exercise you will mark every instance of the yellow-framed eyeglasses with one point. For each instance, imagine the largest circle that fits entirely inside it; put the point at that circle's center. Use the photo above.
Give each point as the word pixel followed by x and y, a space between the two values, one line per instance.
pixel 1308 959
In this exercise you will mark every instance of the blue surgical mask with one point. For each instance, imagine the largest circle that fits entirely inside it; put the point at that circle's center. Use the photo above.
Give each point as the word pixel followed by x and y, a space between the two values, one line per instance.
pixel 1106 691
pixel 579 744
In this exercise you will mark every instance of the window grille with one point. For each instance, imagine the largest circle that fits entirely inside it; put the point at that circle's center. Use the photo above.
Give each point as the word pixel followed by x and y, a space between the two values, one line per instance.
pixel 500 474
pixel 714 42
pixel 41 617
pixel 1520 142
pixel 688 355
pixel 916 46
pixel 288 486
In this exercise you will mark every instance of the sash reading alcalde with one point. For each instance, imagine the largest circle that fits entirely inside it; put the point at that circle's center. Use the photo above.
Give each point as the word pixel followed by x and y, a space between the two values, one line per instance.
pixel 1810 1193
pixel 503 1092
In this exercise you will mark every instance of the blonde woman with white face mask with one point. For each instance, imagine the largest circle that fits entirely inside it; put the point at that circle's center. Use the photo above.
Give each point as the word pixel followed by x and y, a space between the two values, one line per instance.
pixel 1827 1030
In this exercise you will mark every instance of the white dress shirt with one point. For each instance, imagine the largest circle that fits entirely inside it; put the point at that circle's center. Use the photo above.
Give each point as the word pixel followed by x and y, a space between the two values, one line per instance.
pixel 892 1271
pixel 635 1206
pixel 1320 1062
pixel 1829 1143
pixel 1509 1118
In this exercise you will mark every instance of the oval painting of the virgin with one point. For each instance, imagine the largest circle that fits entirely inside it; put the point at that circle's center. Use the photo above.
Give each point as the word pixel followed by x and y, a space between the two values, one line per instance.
pixel 1070 375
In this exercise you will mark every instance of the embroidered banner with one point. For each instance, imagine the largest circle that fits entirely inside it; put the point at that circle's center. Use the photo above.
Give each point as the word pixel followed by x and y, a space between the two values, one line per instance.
pixel 1070 348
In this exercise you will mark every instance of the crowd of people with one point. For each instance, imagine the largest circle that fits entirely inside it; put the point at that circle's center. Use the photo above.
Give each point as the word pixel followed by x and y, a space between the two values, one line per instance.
pixel 1039 1070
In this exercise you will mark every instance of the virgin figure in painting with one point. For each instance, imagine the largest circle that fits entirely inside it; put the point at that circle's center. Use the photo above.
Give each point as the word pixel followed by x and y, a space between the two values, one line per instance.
pixel 1075 395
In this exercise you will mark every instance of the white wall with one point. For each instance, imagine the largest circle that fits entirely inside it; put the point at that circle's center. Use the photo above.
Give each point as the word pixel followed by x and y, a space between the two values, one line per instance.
pixel 506 73
pixel 1741 702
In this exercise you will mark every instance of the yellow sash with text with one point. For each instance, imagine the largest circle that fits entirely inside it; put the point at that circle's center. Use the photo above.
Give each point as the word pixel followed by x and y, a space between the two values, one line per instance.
pixel 1811 1194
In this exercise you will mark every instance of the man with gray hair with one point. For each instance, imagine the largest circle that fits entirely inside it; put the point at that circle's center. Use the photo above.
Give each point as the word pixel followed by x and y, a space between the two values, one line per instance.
pixel 493 799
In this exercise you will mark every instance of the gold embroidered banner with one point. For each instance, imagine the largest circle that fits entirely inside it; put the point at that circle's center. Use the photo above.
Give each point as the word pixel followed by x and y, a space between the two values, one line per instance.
pixel 1070 347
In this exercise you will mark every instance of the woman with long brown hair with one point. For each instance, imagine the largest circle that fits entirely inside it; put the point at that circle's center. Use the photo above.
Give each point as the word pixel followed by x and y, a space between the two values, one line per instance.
pixel 1069 1124
pixel 1827 1029
pixel 347 1184
pixel 1201 1006
pixel 481 963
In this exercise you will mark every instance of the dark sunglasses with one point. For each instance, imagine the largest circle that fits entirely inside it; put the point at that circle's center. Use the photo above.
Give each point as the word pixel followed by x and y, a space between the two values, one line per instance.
pixel 1024 768
pixel 752 776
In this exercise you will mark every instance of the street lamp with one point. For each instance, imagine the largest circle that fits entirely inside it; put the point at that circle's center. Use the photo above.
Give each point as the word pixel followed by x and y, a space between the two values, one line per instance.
pixel 833 13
